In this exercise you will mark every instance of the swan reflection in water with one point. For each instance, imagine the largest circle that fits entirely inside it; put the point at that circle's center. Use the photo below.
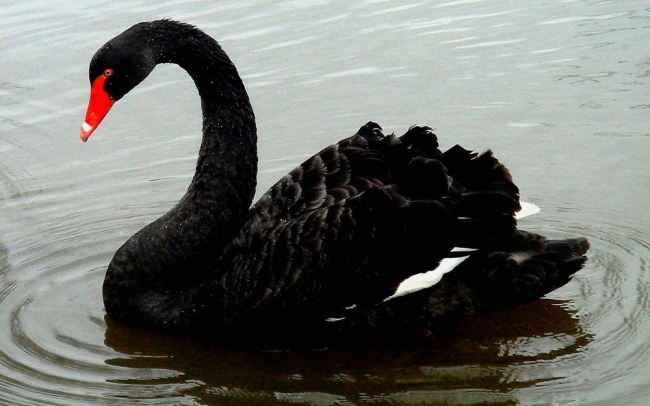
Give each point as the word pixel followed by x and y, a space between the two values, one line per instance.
pixel 481 355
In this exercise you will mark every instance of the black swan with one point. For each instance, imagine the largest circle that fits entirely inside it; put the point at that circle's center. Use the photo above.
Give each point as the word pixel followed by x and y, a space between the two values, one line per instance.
pixel 327 247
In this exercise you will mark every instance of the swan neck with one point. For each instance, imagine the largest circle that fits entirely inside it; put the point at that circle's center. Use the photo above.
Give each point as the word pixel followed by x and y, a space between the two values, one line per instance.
pixel 225 177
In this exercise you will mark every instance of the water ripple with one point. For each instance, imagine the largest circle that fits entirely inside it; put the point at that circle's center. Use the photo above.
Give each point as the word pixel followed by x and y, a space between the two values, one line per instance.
pixel 58 348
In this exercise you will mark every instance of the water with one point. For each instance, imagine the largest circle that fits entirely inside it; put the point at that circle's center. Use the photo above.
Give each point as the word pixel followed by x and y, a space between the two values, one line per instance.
pixel 559 90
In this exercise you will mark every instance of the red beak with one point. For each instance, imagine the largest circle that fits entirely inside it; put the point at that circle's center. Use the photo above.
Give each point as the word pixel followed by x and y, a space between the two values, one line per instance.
pixel 98 106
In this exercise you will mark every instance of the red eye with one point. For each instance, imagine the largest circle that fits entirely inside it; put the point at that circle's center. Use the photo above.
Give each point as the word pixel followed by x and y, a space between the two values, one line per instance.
pixel 108 72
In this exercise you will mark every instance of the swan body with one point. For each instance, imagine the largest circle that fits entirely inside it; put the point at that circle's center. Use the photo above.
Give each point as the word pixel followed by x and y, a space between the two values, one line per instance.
pixel 373 233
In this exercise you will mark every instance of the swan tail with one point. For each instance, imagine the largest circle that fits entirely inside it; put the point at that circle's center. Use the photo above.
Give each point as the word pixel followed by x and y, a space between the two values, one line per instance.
pixel 526 268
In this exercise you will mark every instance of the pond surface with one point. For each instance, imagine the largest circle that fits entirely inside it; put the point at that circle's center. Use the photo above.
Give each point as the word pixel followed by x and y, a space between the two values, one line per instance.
pixel 560 90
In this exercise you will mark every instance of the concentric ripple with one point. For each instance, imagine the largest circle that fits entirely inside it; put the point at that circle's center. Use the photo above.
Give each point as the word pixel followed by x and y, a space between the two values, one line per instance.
pixel 613 297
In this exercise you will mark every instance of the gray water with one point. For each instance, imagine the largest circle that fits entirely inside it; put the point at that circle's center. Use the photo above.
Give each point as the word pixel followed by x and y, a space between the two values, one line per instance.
pixel 560 90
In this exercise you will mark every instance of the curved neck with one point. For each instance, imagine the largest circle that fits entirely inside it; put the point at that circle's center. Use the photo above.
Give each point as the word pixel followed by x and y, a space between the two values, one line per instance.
pixel 224 183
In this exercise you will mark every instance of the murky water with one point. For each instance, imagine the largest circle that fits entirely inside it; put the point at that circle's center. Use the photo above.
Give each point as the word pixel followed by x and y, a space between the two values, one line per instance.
pixel 560 90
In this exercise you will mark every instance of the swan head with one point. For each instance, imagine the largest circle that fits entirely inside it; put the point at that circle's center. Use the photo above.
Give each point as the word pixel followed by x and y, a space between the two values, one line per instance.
pixel 115 69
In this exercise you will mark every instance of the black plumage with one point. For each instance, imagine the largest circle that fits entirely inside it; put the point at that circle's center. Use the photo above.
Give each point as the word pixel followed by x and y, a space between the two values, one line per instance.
pixel 331 241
